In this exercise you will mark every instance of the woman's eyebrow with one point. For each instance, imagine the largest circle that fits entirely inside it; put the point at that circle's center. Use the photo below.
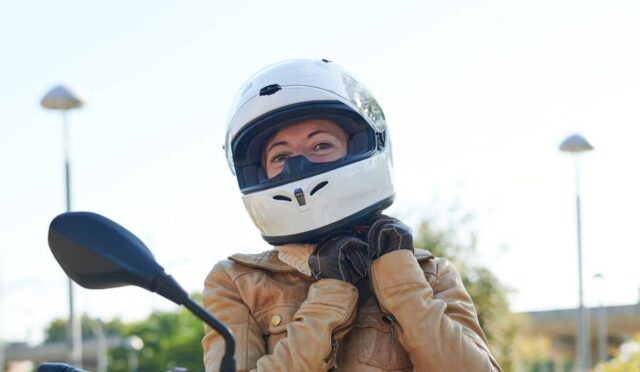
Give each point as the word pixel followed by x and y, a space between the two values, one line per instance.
pixel 319 131
pixel 279 143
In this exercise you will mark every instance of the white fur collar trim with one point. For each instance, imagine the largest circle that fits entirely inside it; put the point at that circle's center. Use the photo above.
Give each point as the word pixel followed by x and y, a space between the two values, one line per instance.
pixel 296 256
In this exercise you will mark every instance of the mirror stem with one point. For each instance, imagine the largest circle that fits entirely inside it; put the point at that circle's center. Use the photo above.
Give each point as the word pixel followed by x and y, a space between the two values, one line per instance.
pixel 167 287
pixel 228 363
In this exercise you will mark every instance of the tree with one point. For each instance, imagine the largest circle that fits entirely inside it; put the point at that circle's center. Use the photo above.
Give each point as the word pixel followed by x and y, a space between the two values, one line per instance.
pixel 626 360
pixel 501 326
pixel 57 329
pixel 171 339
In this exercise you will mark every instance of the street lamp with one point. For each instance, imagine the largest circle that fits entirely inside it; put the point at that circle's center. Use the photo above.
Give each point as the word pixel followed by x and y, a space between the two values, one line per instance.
pixel 602 320
pixel 134 344
pixel 102 348
pixel 62 99
pixel 576 144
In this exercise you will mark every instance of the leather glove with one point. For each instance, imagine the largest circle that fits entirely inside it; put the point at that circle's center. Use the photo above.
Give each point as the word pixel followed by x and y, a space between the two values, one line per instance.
pixel 339 256
pixel 387 234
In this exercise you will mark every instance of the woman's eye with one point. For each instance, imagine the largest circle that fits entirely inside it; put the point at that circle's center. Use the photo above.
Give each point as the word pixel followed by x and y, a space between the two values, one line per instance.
pixel 323 146
pixel 280 158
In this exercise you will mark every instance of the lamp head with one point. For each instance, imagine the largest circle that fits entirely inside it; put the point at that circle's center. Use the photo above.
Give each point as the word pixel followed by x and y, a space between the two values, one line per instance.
pixel 61 98
pixel 575 144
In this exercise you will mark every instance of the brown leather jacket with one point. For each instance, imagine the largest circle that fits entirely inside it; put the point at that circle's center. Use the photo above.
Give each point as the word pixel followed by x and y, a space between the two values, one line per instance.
pixel 420 319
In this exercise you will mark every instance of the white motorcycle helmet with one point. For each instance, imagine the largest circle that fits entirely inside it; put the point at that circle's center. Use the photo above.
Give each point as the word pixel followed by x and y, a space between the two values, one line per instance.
pixel 307 200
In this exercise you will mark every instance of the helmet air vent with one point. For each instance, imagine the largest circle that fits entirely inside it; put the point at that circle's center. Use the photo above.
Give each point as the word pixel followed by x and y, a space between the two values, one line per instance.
pixel 270 89
pixel 318 187
pixel 300 196
pixel 282 197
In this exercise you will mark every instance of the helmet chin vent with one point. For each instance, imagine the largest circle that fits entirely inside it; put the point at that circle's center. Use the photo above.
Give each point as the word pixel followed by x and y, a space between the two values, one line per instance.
pixel 300 197
pixel 282 197
pixel 318 187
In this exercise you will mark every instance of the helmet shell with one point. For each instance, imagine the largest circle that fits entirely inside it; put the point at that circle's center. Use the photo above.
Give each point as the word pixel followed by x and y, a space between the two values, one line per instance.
pixel 305 209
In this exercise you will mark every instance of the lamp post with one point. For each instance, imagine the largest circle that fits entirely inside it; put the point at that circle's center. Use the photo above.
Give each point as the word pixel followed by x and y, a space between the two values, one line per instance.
pixel 602 320
pixel 576 144
pixel 134 344
pixel 2 357
pixel 62 99
pixel 102 348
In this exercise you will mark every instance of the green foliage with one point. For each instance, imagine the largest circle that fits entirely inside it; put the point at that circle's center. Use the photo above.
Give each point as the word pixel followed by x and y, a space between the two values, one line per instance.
pixel 627 360
pixel 57 329
pixel 171 339
pixel 489 295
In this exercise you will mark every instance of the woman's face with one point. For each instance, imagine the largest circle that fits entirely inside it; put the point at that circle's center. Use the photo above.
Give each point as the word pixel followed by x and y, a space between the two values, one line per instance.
pixel 319 140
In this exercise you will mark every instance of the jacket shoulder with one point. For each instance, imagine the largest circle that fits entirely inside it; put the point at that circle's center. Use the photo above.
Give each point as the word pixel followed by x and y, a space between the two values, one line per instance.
pixel 226 271
pixel 242 263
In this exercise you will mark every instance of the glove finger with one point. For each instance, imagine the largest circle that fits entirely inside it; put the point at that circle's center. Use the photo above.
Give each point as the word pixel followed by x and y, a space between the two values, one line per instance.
pixel 398 236
pixel 390 239
pixel 405 234
pixel 375 227
pixel 339 244
pixel 358 263
pixel 359 245
pixel 408 240
pixel 321 254
pixel 314 264
pixel 346 243
pixel 343 269
pixel 355 250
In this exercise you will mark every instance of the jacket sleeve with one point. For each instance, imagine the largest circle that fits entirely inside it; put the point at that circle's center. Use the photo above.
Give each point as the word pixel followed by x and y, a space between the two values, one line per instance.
pixel 310 345
pixel 437 323
pixel 222 299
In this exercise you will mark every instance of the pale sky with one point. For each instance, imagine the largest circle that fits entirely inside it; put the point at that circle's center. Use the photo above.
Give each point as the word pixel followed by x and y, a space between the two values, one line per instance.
pixel 478 96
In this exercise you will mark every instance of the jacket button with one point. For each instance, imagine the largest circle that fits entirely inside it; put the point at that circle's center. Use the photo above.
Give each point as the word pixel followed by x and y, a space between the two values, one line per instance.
pixel 276 320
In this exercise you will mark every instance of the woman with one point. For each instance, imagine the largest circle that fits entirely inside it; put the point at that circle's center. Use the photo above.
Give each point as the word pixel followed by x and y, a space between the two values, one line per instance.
pixel 343 289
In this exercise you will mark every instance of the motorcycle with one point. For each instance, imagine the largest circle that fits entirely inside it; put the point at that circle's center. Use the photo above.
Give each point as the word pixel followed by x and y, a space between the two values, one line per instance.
pixel 97 253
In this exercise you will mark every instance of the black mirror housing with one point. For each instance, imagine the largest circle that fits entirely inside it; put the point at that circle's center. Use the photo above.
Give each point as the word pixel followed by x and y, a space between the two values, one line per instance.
pixel 98 253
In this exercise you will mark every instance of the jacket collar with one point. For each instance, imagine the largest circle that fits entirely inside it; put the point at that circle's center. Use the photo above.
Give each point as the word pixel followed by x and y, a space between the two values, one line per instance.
pixel 269 260
pixel 266 260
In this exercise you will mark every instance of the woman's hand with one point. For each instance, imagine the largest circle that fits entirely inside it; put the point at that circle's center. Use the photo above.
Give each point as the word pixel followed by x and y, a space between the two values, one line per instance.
pixel 339 256
pixel 387 234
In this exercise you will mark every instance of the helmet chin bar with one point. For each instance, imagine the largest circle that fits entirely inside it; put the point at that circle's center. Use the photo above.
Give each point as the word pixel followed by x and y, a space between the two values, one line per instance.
pixel 282 215
pixel 313 236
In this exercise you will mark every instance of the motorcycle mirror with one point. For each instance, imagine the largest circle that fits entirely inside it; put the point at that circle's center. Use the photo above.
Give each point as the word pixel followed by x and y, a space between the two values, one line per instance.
pixel 97 253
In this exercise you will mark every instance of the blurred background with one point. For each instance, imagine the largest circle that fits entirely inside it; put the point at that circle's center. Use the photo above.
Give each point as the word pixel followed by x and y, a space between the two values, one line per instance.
pixel 478 95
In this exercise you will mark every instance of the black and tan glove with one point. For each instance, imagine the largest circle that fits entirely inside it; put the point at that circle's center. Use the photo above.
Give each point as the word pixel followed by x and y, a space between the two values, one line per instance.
pixel 339 256
pixel 387 234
